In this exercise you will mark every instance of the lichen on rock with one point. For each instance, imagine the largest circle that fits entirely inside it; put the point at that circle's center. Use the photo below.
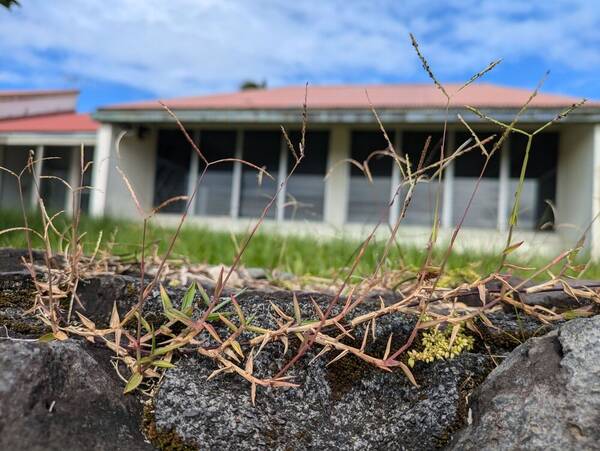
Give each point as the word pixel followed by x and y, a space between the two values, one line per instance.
pixel 438 344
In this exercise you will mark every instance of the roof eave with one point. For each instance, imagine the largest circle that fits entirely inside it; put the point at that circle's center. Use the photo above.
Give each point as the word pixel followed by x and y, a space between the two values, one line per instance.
pixel 348 116
pixel 23 138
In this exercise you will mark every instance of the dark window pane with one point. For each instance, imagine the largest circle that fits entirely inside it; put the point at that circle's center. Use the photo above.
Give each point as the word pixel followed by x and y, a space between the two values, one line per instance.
pixel 471 163
pixel 218 145
pixel 362 147
pixel 421 210
pixel 262 148
pixel 172 167
pixel 88 155
pixel 483 211
pixel 305 189
pixel 214 193
pixel 53 191
pixel 413 145
pixel 15 159
pixel 368 199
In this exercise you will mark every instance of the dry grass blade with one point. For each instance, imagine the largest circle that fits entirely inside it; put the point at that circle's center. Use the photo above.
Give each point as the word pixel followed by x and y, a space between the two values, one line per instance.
pixel 388 347
pixel 338 357
pixel 297 311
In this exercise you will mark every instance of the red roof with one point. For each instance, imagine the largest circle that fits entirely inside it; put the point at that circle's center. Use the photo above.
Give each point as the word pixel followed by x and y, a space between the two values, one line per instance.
pixel 50 123
pixel 402 96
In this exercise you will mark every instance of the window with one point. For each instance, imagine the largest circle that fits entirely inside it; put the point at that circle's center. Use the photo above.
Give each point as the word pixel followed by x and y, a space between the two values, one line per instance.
pixel 57 163
pixel 15 159
pixel 305 189
pixel 422 206
pixel 88 155
pixel 214 193
pixel 172 168
pixel 263 149
pixel 540 178
pixel 368 199
pixel 483 211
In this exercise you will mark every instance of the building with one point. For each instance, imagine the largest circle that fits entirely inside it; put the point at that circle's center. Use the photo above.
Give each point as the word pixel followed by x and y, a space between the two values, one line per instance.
pixel 44 123
pixel 562 187
pixel 559 200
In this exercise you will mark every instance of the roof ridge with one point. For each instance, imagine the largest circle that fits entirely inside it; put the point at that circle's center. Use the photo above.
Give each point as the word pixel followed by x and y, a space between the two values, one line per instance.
pixel 36 92
pixel 41 115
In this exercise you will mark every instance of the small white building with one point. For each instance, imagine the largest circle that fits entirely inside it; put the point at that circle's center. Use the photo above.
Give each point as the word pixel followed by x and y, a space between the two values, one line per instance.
pixel 46 125
pixel 560 199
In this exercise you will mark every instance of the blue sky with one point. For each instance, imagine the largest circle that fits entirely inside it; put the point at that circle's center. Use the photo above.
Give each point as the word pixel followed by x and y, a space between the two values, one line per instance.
pixel 123 50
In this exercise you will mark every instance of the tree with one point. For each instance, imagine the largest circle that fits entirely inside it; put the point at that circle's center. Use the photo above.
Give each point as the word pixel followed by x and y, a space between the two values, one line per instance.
pixel 251 84
pixel 9 3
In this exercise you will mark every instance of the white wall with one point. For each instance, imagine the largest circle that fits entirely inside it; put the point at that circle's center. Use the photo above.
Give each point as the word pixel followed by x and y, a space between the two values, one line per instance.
pixel 596 195
pixel 136 157
pixel 30 105
pixel 575 183
pixel 135 154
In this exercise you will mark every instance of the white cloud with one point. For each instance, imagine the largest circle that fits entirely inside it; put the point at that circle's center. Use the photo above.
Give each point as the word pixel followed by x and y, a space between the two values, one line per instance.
pixel 180 47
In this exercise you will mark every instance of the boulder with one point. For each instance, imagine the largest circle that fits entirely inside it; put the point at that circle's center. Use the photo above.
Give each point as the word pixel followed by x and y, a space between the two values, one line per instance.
pixel 17 294
pixel 346 405
pixel 557 299
pixel 504 331
pixel 61 396
pixel 553 297
pixel 545 395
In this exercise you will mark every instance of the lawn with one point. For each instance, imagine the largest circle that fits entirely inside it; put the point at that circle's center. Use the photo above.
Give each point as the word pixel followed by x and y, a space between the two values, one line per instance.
pixel 298 255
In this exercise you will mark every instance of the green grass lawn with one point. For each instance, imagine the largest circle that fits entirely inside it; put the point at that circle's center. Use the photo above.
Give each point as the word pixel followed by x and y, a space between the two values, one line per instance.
pixel 298 255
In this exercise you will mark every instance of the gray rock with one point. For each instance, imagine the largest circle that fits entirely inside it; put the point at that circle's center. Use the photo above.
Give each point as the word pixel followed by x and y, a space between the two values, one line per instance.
pixel 545 395
pixel 347 405
pixel 58 396
pixel 509 330
pixel 256 273
pixel 552 297
pixel 282 275
pixel 17 293
pixel 97 295
pixel 11 260
pixel 557 299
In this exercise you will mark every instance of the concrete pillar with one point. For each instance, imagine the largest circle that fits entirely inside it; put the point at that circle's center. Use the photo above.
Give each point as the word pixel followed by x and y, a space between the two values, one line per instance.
pixel 396 180
pixel 281 175
pixel 448 181
pixel 577 185
pixel 2 174
pixel 337 184
pixel 105 145
pixel 595 232
pixel 504 186
pixel 236 185
pixel 38 167
pixel 193 175
pixel 74 176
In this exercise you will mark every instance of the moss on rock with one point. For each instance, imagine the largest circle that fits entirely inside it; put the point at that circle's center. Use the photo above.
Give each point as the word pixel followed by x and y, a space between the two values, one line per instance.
pixel 164 440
